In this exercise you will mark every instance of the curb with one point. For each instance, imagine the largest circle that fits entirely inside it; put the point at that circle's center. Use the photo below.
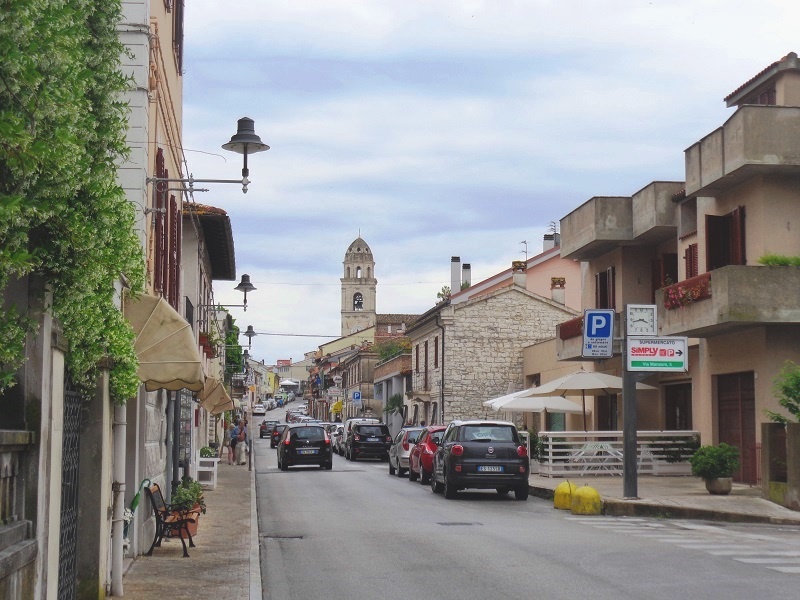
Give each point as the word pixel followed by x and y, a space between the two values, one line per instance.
pixel 255 551
pixel 634 508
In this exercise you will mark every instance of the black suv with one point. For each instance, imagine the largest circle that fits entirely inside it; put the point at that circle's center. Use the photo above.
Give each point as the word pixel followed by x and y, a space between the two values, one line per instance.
pixel 368 440
pixel 483 455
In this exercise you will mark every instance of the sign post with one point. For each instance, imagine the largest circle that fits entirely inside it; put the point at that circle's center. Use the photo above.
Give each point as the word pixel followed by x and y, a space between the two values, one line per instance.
pixel 357 399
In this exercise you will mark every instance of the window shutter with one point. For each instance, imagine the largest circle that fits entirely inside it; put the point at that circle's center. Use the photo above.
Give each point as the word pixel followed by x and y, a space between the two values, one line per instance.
pixel 160 217
pixel 611 283
pixel 738 256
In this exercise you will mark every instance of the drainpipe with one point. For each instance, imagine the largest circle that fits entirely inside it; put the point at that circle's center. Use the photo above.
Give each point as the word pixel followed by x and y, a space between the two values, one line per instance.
pixel 176 442
pixel 118 487
pixel 441 378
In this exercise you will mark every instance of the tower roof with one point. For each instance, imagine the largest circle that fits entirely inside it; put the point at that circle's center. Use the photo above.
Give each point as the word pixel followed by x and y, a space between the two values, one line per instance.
pixel 359 248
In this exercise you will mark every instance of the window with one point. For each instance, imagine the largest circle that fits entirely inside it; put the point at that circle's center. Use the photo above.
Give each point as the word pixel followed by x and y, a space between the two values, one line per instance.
pixel 358 301
pixel 416 357
pixel 766 97
pixel 725 240
pixel 425 382
pixel 358 272
pixel 664 272
pixel 436 352
pixel 690 258
pixel 604 288
pixel 177 35
pixel 167 238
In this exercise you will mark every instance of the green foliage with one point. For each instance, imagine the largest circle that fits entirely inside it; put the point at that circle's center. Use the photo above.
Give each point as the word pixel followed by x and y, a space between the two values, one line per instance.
pixel 207 452
pixel 779 260
pixel 786 388
pixel 444 293
pixel 715 462
pixel 62 214
pixel 234 361
pixel 391 348
pixel 188 493
pixel 394 404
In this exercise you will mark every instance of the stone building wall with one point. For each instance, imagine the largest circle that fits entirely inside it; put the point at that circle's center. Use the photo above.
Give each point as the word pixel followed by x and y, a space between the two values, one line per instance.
pixel 484 347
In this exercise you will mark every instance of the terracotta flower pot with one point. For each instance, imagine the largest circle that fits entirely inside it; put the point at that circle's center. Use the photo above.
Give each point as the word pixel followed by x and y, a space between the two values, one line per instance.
pixel 721 486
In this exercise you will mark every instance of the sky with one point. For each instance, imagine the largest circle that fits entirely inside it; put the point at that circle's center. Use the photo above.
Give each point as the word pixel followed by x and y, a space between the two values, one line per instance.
pixel 440 128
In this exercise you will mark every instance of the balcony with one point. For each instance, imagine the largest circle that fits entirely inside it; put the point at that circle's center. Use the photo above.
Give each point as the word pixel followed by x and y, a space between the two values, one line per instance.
pixel 596 227
pixel 756 140
pixel 732 298
pixel 569 339
pixel 655 217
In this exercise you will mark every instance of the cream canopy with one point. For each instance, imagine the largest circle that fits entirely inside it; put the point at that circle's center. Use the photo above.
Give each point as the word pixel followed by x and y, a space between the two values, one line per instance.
pixel 214 398
pixel 165 345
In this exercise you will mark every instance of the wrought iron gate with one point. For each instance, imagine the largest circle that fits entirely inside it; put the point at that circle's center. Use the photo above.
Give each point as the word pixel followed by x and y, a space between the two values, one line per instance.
pixel 68 546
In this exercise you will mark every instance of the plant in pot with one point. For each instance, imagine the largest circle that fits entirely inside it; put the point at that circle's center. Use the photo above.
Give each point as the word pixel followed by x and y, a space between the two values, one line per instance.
pixel 716 465
pixel 188 497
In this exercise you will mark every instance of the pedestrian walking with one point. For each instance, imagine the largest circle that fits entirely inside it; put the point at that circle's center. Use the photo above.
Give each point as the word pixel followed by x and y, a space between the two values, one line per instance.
pixel 233 442
pixel 241 442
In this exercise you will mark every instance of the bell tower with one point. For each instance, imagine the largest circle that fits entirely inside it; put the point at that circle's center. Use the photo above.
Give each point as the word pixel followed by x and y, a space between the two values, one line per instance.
pixel 358 288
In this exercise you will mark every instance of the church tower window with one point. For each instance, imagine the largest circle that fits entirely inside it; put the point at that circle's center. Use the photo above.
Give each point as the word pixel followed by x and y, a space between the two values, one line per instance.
pixel 358 301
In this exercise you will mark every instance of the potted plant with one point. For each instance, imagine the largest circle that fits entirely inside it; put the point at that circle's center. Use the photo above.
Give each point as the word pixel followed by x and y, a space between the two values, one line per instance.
pixel 716 465
pixel 188 497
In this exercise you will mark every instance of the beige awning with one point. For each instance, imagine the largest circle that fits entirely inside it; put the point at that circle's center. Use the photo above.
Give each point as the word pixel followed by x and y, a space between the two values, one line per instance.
pixel 214 398
pixel 165 345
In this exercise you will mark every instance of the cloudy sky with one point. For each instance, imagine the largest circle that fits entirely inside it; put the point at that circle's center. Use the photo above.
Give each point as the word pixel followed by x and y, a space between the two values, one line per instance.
pixel 439 128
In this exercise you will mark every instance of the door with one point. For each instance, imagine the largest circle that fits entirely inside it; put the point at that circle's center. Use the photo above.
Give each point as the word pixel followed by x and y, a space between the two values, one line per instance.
pixel 607 413
pixel 68 543
pixel 737 420
pixel 678 407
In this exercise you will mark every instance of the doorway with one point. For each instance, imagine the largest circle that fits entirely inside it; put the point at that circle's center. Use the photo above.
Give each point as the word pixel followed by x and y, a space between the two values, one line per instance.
pixel 736 411
pixel 678 407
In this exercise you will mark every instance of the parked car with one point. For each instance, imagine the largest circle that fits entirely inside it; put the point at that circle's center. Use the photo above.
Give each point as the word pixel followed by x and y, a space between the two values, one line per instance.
pixel 337 439
pixel 482 455
pixel 266 428
pixel 271 404
pixel 368 440
pixel 404 441
pixel 259 409
pixel 276 434
pixel 304 445
pixel 420 459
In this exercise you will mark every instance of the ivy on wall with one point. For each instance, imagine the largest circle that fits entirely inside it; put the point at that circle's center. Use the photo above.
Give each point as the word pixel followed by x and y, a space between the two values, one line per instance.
pixel 62 215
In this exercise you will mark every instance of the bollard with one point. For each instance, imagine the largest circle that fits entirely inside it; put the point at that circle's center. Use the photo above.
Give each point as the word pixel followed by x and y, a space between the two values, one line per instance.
pixel 562 497
pixel 586 501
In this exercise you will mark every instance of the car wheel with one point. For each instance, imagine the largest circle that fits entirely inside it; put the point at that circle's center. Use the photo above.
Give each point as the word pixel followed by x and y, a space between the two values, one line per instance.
pixel 521 493
pixel 329 465
pixel 424 477
pixel 436 487
pixel 283 466
pixel 503 491
pixel 401 472
pixel 391 468
pixel 450 490
pixel 412 476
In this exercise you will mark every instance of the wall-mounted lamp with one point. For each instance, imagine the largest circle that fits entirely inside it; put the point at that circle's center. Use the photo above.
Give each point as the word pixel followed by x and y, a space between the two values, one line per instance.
pixel 244 142
pixel 244 287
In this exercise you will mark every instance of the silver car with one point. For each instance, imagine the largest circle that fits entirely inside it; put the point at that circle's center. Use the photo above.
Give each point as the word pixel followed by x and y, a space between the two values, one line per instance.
pixel 401 448
pixel 337 439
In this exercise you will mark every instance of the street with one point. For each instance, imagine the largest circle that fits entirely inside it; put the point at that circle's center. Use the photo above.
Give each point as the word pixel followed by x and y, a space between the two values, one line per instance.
pixel 357 533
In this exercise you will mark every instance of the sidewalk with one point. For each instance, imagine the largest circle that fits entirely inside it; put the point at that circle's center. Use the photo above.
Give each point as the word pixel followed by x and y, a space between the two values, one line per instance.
pixel 676 498
pixel 225 562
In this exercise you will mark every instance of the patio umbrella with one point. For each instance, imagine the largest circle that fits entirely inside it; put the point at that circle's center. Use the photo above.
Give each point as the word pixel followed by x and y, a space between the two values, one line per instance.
pixel 585 382
pixel 539 404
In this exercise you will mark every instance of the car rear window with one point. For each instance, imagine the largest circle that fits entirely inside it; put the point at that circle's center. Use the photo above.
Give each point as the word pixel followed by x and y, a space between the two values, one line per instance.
pixel 487 433
pixel 413 436
pixel 313 434
pixel 372 430
pixel 437 436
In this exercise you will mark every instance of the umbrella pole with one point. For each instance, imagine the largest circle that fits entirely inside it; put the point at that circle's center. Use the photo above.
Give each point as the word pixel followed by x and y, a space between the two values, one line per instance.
pixel 583 397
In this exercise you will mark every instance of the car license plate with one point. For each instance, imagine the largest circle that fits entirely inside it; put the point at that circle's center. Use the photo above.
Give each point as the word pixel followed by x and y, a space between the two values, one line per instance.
pixel 373 439
pixel 490 469
pixel 308 451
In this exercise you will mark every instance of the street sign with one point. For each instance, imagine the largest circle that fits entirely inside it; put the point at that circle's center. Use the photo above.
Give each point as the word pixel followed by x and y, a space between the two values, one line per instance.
pixel 664 354
pixel 598 333
pixel 357 399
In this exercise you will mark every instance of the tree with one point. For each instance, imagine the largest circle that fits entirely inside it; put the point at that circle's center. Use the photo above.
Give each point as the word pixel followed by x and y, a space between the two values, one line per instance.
pixel 444 294
pixel 394 404
pixel 786 387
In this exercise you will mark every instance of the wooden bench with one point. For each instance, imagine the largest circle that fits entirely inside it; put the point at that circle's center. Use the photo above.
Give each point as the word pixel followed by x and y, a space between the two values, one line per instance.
pixel 170 522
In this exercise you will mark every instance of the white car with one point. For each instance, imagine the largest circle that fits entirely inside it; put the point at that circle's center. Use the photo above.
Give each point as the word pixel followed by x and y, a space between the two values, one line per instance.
pixel 259 409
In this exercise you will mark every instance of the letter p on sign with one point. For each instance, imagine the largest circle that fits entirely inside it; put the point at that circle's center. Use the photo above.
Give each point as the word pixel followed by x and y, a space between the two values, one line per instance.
pixel 598 325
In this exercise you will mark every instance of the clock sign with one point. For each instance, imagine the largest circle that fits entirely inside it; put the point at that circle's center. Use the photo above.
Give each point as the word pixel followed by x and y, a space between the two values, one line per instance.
pixel 642 320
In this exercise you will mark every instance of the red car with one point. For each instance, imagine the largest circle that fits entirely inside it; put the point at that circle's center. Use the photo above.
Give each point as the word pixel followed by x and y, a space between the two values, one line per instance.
pixel 420 461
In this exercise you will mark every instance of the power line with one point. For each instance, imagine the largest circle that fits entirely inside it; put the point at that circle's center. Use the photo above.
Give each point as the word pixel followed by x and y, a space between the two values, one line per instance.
pixel 299 335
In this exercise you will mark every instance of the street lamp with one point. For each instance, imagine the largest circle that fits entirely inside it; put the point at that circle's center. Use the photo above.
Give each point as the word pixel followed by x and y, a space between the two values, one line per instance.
pixel 244 287
pixel 244 141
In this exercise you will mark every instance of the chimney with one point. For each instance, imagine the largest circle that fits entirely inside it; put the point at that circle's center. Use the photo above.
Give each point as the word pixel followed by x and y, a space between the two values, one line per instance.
pixel 551 240
pixel 557 289
pixel 455 274
pixel 466 275
pixel 518 270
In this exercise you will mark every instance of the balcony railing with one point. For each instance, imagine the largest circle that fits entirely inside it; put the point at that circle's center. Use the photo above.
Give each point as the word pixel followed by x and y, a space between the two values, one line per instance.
pixel 13 445
pixel 571 329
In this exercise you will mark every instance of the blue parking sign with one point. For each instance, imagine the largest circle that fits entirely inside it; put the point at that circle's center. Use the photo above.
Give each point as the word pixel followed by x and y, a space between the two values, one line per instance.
pixel 598 333
pixel 356 395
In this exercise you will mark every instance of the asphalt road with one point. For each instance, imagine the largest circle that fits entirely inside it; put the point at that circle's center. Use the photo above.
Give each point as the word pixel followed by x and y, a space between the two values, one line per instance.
pixel 358 533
